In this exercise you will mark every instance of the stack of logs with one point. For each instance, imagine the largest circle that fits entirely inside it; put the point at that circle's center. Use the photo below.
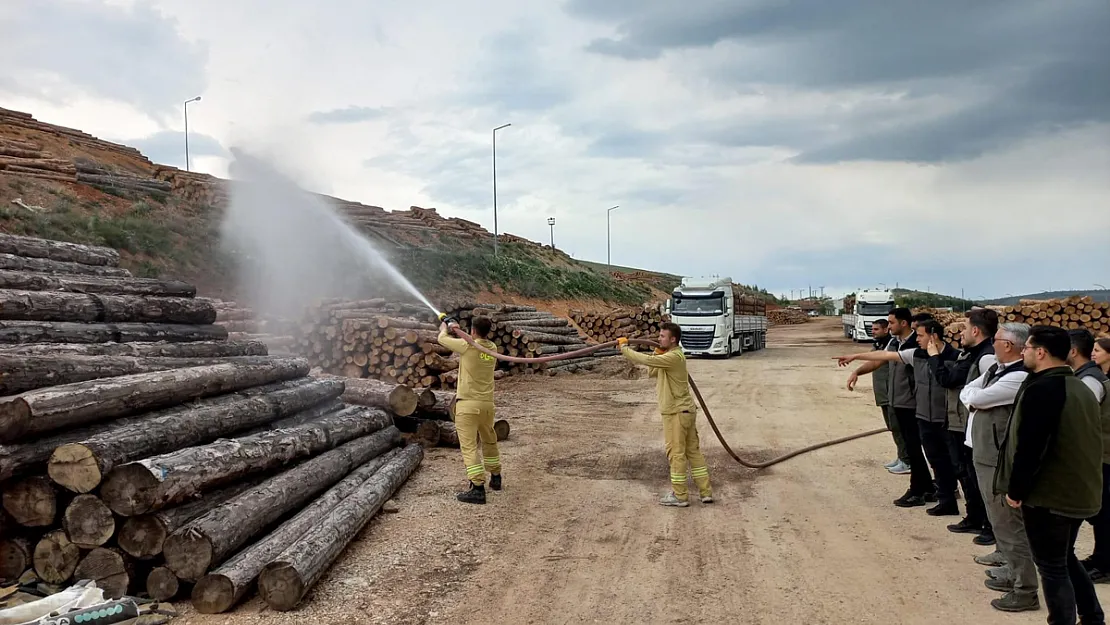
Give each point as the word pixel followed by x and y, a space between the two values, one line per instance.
pixel 26 158
pixel 1070 313
pixel 786 316
pixel 101 176
pixel 632 323
pixel 17 122
pixel 141 449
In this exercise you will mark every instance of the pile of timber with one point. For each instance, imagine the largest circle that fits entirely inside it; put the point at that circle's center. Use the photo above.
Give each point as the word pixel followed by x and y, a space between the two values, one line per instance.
pixel 103 177
pixel 141 449
pixel 26 158
pixel 19 122
pixel 786 316
pixel 1070 313
pixel 193 187
pixel 632 323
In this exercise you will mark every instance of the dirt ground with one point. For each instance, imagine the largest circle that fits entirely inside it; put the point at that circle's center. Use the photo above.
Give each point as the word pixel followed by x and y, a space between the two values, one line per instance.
pixel 577 535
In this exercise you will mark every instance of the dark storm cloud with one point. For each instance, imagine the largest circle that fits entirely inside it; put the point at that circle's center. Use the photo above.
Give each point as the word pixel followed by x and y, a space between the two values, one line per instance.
pixel 1007 70
pixel 348 115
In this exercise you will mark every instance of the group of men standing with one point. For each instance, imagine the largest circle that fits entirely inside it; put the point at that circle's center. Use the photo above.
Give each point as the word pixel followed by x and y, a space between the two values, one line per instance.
pixel 1017 419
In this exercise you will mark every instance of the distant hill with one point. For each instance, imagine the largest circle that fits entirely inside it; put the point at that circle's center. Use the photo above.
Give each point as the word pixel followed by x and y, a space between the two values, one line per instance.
pixel 923 299
pixel 1099 295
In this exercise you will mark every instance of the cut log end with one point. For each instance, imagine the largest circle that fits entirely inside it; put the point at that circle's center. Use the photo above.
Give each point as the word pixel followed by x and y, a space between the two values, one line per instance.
pixel 162 584
pixel 15 558
pixel 129 490
pixel 74 467
pixel 188 554
pixel 501 428
pixel 31 502
pixel 88 522
pixel 56 558
pixel 108 569
pixel 213 594
pixel 142 536
pixel 15 417
pixel 281 586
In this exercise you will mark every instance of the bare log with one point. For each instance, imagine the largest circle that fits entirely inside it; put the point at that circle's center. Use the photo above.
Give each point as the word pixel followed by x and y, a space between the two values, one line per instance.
pixel 55 558
pixel 31 502
pixel 199 349
pixel 58 250
pixel 162 584
pixel 18 305
pixel 16 332
pixel 11 262
pixel 80 466
pixel 88 522
pixel 284 582
pixel 109 569
pixel 160 481
pixel 26 281
pixel 50 409
pixel 397 398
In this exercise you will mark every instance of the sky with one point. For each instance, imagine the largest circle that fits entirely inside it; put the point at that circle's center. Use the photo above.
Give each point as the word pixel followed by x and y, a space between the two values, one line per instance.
pixel 952 146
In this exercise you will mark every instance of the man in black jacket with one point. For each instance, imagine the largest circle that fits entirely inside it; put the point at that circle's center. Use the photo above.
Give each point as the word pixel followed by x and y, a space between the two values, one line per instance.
pixel 1051 467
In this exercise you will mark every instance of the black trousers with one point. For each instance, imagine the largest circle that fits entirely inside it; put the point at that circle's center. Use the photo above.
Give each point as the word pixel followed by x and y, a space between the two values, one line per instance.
pixel 920 480
pixel 1101 524
pixel 965 474
pixel 934 438
pixel 1065 583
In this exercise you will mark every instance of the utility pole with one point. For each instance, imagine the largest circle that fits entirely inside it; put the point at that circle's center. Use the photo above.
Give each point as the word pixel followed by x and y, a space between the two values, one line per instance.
pixel 186 107
pixel 608 239
pixel 495 185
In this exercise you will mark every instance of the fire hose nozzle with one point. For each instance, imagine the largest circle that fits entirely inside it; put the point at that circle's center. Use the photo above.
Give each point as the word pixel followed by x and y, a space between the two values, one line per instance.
pixel 448 319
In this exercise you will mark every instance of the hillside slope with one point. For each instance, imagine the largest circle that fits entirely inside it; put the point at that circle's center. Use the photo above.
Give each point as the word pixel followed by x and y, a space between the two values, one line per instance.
pixel 61 183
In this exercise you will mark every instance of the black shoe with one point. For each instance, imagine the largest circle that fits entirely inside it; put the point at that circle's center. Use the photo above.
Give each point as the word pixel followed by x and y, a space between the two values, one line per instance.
pixel 931 496
pixel 985 539
pixel 909 500
pixel 966 527
pixel 476 494
pixel 944 509
pixel 495 481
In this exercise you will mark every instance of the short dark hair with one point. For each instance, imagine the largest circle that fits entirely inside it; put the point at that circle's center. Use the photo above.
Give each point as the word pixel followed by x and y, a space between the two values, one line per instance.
pixel 482 325
pixel 1083 342
pixel 902 314
pixel 1053 340
pixel 932 326
pixel 922 317
pixel 985 319
pixel 881 323
pixel 673 328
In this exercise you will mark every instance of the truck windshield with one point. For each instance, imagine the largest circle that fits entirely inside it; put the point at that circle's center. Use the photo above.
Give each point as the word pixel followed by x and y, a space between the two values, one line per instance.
pixel 875 309
pixel 699 305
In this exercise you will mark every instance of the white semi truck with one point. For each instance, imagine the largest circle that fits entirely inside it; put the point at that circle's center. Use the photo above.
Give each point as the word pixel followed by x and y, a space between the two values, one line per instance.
pixel 869 306
pixel 717 318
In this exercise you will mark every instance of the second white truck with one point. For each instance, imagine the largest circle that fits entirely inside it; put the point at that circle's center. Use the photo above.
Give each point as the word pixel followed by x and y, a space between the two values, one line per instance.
pixel 869 305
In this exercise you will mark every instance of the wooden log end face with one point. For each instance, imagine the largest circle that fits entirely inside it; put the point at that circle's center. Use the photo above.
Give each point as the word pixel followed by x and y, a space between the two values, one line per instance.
pixel 15 416
pixel 56 558
pixel 281 586
pixel 108 569
pixel 213 594
pixel 74 467
pixel 88 522
pixel 142 536
pixel 188 554
pixel 501 428
pixel 14 559
pixel 162 584
pixel 130 490
pixel 31 501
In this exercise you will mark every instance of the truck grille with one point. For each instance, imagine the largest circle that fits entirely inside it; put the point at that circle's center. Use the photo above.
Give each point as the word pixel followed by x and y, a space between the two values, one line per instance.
pixel 867 328
pixel 697 340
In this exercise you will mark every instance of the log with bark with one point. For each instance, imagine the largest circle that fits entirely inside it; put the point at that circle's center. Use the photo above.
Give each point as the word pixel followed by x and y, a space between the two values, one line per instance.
pixel 284 582
pixel 209 539
pixel 443 408
pixel 45 410
pixel 58 250
pixel 199 349
pixel 27 281
pixel 32 501
pixel 17 305
pixel 17 332
pixel 160 481
pixel 221 589
pixel 88 522
pixel 109 568
pixel 15 557
pixel 81 466
pixel 397 398
pixel 56 557
pixel 11 262
pixel 162 584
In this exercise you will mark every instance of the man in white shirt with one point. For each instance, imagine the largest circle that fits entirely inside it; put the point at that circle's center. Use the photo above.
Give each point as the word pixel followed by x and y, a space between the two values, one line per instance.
pixel 989 399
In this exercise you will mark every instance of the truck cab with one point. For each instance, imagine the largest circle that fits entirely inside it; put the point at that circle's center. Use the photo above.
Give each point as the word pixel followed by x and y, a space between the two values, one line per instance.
pixel 717 319
pixel 868 306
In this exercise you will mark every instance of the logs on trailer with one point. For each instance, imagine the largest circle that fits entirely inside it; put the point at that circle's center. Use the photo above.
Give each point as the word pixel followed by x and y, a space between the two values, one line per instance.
pixel 12 262
pixel 209 539
pixel 58 250
pixel 18 332
pixel 50 409
pixel 160 481
pixel 284 582
pixel 16 305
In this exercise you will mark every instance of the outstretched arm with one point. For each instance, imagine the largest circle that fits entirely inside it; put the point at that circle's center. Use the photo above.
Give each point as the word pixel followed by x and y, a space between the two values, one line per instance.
pixel 877 357
pixel 659 361
pixel 456 345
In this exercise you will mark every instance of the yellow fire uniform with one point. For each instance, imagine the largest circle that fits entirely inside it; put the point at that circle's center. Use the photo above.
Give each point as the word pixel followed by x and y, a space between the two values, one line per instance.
pixel 679 411
pixel 474 409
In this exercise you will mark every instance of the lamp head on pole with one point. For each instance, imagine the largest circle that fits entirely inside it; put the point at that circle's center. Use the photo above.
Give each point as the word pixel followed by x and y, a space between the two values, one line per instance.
pixel 613 208
pixel 196 99
pixel 501 126
pixel 551 221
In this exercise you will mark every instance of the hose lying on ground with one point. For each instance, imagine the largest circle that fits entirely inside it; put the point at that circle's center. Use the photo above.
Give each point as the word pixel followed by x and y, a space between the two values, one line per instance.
pixel 751 464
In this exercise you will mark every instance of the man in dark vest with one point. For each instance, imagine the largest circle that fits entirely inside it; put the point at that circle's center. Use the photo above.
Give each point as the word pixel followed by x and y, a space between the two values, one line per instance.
pixel 880 382
pixel 990 399
pixel 904 402
pixel 976 357
pixel 1051 468
pixel 1079 359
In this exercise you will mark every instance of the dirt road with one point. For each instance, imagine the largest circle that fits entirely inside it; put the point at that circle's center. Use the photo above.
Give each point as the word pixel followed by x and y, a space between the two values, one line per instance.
pixel 577 535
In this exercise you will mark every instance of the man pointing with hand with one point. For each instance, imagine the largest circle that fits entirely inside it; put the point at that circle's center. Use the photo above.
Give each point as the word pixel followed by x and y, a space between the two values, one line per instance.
pixel 668 366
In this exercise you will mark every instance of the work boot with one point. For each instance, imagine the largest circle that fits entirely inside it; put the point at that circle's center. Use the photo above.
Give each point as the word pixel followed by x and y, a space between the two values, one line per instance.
pixel 1000 573
pixel 984 539
pixel 495 481
pixel 966 526
pixel 1000 585
pixel 899 468
pixel 670 500
pixel 909 500
pixel 993 558
pixel 476 494
pixel 944 509
pixel 1013 602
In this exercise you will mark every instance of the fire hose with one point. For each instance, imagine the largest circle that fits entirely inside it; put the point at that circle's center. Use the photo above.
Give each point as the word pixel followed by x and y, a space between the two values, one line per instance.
pixel 751 464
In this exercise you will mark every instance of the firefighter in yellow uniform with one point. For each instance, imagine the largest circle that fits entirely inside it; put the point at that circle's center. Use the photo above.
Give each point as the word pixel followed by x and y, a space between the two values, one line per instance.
pixel 668 367
pixel 474 409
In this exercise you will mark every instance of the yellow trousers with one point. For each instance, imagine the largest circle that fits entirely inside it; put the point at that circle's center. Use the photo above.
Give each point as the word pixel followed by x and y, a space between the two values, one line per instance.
pixel 474 422
pixel 681 435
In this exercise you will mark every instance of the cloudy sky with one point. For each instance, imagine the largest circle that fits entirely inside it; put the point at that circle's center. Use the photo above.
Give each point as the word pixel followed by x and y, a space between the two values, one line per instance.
pixel 945 145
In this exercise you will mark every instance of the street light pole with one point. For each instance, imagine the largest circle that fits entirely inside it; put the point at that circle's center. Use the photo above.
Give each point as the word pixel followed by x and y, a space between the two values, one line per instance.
pixel 608 239
pixel 495 185
pixel 551 223
pixel 186 107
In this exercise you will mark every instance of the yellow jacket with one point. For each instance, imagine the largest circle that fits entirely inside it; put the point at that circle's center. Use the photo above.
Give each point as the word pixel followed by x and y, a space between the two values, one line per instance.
pixel 475 368
pixel 672 381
